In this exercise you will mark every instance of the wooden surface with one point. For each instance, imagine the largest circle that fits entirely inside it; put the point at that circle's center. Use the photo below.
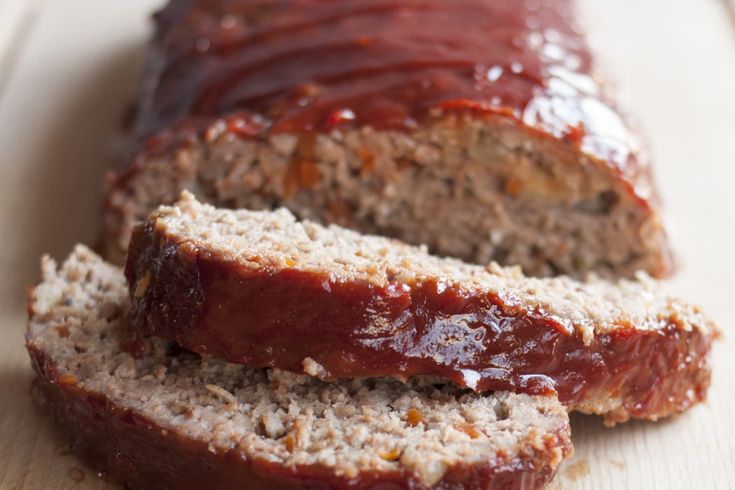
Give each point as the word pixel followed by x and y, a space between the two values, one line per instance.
pixel 68 67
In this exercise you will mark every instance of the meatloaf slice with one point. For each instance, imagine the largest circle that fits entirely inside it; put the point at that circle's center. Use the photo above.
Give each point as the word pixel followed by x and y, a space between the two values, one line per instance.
pixel 479 128
pixel 173 420
pixel 262 289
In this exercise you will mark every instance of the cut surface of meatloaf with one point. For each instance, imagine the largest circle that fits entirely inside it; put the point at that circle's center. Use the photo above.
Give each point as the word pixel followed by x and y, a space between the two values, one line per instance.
pixel 171 419
pixel 486 136
pixel 263 289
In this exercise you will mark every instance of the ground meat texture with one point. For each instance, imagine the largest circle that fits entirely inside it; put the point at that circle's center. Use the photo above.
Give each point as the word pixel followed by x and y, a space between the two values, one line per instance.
pixel 487 137
pixel 170 419
pixel 263 289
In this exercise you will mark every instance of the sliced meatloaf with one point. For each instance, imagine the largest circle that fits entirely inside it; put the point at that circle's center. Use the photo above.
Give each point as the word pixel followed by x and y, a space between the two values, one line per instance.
pixel 479 128
pixel 171 419
pixel 263 289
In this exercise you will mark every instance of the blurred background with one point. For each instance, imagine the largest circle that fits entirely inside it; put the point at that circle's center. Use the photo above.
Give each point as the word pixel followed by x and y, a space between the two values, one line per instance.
pixel 68 69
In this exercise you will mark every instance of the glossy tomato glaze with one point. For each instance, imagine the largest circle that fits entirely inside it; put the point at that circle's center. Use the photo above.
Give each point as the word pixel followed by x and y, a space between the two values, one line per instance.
pixel 128 447
pixel 254 67
pixel 216 306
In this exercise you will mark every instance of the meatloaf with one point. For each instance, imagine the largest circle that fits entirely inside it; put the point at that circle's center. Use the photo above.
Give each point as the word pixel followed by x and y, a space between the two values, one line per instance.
pixel 173 420
pixel 263 289
pixel 479 128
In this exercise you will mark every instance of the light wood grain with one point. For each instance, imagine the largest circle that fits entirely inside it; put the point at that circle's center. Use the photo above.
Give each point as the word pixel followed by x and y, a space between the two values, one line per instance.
pixel 675 65
pixel 58 112
pixel 730 6
pixel 16 17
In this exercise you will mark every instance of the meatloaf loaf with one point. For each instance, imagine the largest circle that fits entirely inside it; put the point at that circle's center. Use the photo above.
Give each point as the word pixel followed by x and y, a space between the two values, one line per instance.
pixel 173 420
pixel 479 128
pixel 262 289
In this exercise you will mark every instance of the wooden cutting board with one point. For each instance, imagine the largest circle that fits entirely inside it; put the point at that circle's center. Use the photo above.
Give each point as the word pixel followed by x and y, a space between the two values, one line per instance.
pixel 69 67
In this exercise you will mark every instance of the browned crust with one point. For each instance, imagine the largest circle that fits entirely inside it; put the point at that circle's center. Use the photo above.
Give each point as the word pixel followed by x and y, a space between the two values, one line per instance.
pixel 263 318
pixel 169 121
pixel 127 447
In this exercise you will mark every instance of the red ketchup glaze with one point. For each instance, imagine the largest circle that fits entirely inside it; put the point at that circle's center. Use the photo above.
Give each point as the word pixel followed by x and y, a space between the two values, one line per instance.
pixel 317 65
pixel 352 329
pixel 125 446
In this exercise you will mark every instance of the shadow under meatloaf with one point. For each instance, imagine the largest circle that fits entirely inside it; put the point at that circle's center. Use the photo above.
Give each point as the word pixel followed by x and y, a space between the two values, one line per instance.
pixel 174 420
pixel 262 289
pixel 486 137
